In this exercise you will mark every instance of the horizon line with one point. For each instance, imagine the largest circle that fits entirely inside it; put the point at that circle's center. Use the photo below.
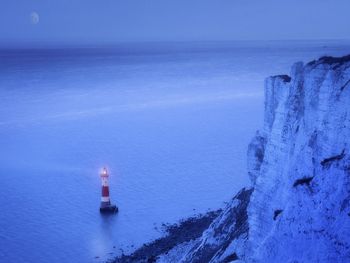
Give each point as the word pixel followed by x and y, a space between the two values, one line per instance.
pixel 82 44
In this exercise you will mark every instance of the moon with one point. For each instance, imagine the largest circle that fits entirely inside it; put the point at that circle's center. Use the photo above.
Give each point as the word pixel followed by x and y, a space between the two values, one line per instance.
pixel 34 18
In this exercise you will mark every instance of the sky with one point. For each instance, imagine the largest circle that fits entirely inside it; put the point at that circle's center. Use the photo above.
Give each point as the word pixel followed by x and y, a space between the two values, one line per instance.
pixel 108 21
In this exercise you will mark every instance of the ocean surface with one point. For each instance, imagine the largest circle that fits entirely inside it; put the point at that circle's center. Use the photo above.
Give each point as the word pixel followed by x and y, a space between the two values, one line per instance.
pixel 171 121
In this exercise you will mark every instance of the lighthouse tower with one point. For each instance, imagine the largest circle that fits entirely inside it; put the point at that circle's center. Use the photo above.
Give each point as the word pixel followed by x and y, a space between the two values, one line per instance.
pixel 106 206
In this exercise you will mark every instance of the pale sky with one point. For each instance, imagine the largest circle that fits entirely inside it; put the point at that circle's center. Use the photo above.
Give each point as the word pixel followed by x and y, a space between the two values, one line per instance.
pixel 108 21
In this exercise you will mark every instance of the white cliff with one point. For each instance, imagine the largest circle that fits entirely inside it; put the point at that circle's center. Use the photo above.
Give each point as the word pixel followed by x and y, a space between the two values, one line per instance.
pixel 299 166
pixel 298 209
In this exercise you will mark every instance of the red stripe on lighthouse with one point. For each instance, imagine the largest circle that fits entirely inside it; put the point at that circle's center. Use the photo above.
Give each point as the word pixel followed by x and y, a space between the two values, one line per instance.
pixel 105 191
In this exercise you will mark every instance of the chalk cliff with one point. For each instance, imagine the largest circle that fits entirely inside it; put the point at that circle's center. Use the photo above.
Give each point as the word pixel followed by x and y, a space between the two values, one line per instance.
pixel 298 209
pixel 299 165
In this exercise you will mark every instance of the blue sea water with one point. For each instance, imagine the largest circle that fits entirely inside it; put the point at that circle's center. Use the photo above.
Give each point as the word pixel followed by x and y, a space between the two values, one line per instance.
pixel 171 121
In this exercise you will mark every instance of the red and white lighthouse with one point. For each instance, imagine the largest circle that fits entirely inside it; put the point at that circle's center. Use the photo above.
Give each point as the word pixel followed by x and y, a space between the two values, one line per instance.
pixel 105 199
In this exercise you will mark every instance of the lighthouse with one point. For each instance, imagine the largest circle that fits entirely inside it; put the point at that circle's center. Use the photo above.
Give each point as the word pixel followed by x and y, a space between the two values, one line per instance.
pixel 106 206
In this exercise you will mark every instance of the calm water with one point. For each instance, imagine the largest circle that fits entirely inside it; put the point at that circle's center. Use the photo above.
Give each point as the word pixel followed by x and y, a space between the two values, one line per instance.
pixel 171 122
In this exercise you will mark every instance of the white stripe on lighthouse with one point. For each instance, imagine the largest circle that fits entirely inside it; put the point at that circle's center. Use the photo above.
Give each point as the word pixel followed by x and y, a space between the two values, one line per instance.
pixel 105 199
pixel 104 181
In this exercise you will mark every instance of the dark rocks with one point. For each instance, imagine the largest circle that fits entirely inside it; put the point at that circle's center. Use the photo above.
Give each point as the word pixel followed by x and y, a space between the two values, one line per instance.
pixel 327 162
pixel 230 258
pixel 344 86
pixel 229 226
pixel 285 78
pixel 277 213
pixel 328 60
pixel 223 225
pixel 303 181
pixel 334 60
pixel 185 231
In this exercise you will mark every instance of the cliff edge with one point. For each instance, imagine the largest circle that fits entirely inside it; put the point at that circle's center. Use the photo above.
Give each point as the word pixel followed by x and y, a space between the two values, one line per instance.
pixel 298 209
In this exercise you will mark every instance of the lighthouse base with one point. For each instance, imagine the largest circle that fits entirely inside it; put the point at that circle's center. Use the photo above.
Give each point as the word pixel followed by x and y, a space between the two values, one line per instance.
pixel 109 209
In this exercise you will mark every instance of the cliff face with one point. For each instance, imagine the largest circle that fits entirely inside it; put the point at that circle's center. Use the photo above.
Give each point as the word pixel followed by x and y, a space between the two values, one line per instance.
pixel 299 207
pixel 300 167
pixel 226 237
pixel 223 241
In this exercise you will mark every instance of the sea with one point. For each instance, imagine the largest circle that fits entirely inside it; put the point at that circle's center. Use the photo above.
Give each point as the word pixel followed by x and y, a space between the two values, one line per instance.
pixel 171 121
